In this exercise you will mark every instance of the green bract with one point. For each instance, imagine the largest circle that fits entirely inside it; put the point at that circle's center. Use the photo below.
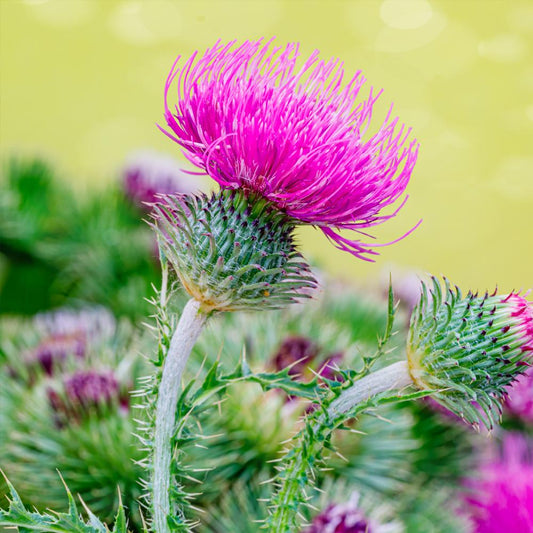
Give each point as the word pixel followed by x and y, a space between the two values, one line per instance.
pixel 231 251
pixel 467 349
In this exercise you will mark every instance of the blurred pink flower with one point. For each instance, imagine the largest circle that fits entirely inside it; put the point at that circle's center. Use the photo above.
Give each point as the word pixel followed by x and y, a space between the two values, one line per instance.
pixel 85 392
pixel 148 173
pixel 253 120
pixel 501 497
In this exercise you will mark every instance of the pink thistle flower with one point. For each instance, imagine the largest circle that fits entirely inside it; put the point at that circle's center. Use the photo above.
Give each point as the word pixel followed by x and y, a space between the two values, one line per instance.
pixel 85 392
pixel 348 517
pixel 253 120
pixel 502 494
pixel 297 353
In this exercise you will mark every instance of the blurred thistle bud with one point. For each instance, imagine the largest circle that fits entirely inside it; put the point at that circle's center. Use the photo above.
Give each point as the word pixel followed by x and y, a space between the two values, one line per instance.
pixel 348 517
pixel 68 332
pixel 148 173
pixel 469 349
pixel 84 393
pixel 296 353
pixel 231 251
pixel 52 351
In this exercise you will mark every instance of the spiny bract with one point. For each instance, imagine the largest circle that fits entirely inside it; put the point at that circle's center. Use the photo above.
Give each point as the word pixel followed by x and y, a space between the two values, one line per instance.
pixel 232 252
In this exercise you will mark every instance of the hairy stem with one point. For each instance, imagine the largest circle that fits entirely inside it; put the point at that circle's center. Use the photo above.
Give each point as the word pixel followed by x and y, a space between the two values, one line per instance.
pixel 189 327
pixel 395 376
pixel 297 470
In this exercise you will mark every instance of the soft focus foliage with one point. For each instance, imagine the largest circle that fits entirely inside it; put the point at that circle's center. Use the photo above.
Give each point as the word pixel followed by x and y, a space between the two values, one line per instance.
pixel 69 374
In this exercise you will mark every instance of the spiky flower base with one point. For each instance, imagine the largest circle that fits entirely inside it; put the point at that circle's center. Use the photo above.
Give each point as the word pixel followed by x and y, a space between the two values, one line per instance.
pixel 469 349
pixel 232 251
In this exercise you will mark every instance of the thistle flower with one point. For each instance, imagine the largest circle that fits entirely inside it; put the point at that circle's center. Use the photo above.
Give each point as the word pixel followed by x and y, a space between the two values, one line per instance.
pixel 85 392
pixel 297 353
pixel 501 496
pixel 348 518
pixel 96 323
pixel 231 252
pixel 469 349
pixel 68 332
pixel 148 173
pixel 253 120
pixel 519 403
pixel 53 351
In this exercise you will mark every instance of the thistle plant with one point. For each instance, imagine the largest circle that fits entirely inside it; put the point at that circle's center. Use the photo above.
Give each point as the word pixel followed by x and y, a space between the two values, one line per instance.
pixel 463 351
pixel 286 148
pixel 287 145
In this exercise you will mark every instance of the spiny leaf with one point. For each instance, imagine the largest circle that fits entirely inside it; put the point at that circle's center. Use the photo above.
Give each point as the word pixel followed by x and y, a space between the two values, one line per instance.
pixel 71 522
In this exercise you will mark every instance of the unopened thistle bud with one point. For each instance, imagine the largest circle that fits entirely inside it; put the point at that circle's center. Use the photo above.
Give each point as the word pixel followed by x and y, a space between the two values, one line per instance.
pixel 469 349
pixel 348 517
pixel 86 392
pixel 231 251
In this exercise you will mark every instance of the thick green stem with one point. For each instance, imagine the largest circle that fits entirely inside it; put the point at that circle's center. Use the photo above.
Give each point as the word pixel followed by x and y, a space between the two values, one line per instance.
pixel 189 328
pixel 302 458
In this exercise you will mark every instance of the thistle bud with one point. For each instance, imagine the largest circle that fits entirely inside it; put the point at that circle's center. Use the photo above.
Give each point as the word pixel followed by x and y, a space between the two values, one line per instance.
pixel 469 349
pixel 297 353
pixel 231 251
pixel 86 392
pixel 349 517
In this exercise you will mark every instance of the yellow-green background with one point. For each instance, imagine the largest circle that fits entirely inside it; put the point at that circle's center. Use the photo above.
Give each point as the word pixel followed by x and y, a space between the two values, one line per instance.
pixel 81 83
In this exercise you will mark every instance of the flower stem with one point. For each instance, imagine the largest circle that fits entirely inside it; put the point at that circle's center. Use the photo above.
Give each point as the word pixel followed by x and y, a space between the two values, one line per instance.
pixel 301 459
pixel 395 376
pixel 189 327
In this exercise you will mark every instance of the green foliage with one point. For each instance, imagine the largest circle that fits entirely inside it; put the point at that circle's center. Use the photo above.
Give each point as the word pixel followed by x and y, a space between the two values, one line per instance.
pixel 433 508
pixel 299 468
pixel 57 247
pixel 70 522
pixel 95 451
pixel 446 442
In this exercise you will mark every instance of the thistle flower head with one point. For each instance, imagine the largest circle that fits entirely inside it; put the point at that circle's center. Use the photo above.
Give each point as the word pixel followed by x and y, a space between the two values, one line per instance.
pixel 232 252
pixel 67 332
pixel 85 392
pixel 297 353
pixel 53 351
pixel 348 518
pixel 501 495
pixel 148 173
pixel 254 120
pixel 469 349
